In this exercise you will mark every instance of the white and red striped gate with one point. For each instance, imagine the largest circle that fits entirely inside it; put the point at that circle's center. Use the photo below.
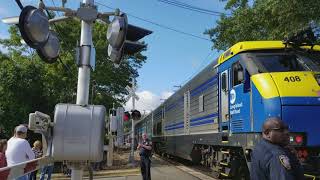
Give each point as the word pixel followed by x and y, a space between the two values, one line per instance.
pixel 13 172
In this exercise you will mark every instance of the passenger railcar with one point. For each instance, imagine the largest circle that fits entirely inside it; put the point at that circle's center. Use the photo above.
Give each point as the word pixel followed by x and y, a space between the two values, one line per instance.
pixel 216 118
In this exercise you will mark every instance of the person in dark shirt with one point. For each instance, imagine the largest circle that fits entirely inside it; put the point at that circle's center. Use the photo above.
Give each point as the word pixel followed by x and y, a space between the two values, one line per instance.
pixel 272 158
pixel 145 154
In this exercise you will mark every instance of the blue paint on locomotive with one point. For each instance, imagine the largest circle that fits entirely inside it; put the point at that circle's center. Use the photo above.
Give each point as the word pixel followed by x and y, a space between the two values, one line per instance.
pixel 239 110
pixel 292 101
pixel 297 116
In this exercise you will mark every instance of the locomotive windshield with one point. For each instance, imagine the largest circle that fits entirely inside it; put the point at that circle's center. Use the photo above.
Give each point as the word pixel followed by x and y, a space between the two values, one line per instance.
pixel 281 62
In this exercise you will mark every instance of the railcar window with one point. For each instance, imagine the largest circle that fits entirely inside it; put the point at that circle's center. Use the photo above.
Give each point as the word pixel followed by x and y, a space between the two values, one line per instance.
pixel 282 62
pixel 237 74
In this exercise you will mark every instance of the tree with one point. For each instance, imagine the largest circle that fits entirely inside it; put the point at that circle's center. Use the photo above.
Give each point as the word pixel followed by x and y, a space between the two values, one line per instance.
pixel 263 20
pixel 28 84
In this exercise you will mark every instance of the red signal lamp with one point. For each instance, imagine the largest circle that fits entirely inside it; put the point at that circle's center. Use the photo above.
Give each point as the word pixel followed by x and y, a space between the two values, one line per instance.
pixel 126 116
pixel 299 139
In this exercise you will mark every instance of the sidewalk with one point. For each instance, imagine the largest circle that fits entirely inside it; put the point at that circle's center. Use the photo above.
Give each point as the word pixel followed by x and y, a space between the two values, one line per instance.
pixel 103 173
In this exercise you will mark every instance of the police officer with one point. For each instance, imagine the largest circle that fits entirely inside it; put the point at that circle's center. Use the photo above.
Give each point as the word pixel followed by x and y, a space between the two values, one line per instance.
pixel 272 159
pixel 145 154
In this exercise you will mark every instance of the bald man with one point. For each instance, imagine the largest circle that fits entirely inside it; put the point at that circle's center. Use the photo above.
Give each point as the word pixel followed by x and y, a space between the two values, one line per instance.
pixel 271 159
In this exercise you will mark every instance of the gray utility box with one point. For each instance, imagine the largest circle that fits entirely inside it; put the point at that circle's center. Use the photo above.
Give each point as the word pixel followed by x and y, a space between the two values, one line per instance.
pixel 78 132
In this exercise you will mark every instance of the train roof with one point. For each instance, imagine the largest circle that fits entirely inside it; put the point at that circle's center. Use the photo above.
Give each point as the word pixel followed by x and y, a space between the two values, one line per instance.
pixel 255 45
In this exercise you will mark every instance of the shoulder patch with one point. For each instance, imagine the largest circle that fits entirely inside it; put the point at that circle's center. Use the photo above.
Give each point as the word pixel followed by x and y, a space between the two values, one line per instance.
pixel 285 161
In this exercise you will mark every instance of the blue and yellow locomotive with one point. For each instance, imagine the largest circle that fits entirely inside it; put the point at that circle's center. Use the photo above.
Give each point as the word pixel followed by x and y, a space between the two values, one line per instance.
pixel 215 119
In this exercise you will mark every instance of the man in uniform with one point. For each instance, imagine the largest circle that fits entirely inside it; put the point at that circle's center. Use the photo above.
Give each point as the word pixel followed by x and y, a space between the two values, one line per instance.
pixel 145 154
pixel 272 159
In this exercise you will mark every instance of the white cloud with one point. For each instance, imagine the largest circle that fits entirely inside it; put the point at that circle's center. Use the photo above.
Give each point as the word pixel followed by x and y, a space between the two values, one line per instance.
pixel 148 101
pixel 166 94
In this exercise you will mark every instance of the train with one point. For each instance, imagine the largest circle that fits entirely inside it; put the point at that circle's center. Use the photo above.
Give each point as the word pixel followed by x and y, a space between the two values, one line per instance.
pixel 216 118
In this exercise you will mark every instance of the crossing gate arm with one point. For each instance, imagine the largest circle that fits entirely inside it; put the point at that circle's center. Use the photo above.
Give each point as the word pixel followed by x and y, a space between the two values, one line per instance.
pixel 21 169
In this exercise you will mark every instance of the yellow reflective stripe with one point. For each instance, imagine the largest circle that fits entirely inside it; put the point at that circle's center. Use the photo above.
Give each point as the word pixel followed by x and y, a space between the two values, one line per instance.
pixel 254 45
pixel 265 85
pixel 311 176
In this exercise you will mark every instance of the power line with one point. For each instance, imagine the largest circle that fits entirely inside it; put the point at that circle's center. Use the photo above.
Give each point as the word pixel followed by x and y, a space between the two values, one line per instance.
pixel 66 67
pixel 19 4
pixel 55 6
pixel 192 8
pixel 159 25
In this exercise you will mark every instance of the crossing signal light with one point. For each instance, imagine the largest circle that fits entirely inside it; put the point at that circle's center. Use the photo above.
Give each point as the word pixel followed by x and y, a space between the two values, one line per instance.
pixel 34 29
pixel 124 38
pixel 33 26
pixel 136 115
pixel 126 116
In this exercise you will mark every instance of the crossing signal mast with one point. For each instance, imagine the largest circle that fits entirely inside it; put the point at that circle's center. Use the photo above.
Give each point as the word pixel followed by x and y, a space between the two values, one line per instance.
pixel 70 137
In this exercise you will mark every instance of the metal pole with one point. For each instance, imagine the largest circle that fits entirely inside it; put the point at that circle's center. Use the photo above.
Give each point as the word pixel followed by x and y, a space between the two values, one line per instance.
pixel 83 78
pixel 131 158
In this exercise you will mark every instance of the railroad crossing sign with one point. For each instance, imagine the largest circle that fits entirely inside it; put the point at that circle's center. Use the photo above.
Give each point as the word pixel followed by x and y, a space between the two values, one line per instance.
pixel 132 92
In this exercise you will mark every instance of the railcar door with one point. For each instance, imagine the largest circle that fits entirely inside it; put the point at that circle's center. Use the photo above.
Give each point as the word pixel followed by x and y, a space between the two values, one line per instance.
pixel 224 101
pixel 239 99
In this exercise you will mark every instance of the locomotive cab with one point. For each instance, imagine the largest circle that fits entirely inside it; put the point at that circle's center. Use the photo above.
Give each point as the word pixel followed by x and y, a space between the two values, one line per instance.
pixel 280 82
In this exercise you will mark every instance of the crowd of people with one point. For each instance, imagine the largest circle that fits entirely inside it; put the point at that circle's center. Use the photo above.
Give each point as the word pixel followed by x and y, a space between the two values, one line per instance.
pixel 18 150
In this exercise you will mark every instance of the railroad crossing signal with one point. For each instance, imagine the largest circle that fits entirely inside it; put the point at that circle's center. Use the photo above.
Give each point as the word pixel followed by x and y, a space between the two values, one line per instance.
pixel 132 93
pixel 123 38
pixel 34 29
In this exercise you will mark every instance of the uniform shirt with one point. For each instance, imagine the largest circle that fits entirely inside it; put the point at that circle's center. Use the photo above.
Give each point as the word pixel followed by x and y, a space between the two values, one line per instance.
pixel 145 152
pixel 273 162
pixel 18 150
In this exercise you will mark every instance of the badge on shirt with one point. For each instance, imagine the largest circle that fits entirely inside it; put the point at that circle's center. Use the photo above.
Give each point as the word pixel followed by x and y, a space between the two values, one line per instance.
pixel 285 161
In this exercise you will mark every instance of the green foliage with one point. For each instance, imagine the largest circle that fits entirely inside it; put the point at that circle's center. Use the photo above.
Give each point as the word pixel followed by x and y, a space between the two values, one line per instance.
pixel 28 84
pixel 263 20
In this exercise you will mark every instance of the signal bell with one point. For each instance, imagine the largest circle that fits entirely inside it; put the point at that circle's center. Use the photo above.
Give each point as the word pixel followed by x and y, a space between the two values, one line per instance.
pixel 34 29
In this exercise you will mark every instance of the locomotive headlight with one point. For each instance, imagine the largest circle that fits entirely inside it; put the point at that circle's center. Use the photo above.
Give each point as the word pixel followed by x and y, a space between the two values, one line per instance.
pixel 317 76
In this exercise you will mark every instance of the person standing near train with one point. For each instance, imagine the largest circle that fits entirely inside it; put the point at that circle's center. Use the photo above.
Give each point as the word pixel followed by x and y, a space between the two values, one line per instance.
pixel 272 158
pixel 145 154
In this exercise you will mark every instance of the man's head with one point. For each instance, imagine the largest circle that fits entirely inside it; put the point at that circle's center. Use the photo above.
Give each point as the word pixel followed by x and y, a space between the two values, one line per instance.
pixel 144 136
pixel 276 131
pixel 21 131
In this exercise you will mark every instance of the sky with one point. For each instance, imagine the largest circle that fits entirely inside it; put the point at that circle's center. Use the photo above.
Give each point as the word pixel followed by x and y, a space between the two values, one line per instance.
pixel 172 58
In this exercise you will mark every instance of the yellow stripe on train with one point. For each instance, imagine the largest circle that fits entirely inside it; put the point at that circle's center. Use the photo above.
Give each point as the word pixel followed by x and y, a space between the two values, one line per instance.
pixel 254 45
pixel 286 84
